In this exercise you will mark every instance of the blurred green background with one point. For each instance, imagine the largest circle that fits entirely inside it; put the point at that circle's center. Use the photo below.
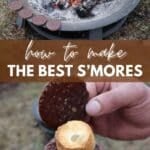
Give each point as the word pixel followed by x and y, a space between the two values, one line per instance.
pixel 19 130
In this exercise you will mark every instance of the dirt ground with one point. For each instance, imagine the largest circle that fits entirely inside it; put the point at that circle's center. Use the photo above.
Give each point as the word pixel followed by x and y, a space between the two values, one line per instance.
pixel 19 130
pixel 136 27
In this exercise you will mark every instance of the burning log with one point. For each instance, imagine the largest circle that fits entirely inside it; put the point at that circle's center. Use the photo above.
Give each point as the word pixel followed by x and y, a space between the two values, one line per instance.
pixel 82 7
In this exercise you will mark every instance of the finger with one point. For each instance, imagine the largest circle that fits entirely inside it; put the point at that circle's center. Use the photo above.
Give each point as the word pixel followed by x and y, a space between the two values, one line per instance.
pixel 102 86
pixel 117 98
pixel 91 88
pixel 95 88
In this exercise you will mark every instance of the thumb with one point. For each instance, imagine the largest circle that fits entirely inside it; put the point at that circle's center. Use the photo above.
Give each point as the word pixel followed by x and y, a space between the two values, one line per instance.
pixel 108 102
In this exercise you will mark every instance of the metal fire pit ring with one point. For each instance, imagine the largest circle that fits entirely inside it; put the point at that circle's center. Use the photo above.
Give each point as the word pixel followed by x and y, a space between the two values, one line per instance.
pixel 82 25
pixel 96 22
pixel 99 33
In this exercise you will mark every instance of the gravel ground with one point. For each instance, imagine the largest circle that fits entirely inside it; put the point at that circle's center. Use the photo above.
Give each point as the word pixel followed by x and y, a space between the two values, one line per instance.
pixel 136 27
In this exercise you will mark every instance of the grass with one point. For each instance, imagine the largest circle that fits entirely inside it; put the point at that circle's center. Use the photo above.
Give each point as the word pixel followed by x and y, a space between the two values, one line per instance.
pixel 136 27
pixel 8 29
pixel 18 129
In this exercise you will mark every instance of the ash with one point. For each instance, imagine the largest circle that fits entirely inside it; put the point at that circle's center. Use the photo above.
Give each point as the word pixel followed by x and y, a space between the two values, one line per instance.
pixel 103 8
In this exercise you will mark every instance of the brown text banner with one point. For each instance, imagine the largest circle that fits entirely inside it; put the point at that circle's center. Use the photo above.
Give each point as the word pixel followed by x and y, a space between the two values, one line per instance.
pixel 73 60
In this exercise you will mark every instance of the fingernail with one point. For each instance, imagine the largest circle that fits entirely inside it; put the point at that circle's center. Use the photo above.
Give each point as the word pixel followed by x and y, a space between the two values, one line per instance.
pixel 93 108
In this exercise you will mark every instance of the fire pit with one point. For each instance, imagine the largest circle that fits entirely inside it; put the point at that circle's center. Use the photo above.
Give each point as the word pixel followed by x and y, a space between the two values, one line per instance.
pixel 105 17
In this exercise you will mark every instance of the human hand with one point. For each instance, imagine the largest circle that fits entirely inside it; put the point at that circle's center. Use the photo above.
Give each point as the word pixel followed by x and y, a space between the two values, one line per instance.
pixel 120 110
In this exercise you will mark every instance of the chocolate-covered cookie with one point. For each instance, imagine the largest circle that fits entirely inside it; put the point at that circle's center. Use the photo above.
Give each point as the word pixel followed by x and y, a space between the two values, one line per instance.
pixel 61 102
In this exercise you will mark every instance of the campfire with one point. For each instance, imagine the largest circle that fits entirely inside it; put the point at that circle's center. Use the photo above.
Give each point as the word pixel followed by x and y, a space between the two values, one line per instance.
pixel 82 8
pixel 71 9
pixel 96 18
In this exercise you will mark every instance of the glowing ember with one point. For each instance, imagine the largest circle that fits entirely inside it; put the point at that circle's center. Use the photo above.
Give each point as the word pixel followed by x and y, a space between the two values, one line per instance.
pixel 63 4
pixel 82 7
pixel 74 10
